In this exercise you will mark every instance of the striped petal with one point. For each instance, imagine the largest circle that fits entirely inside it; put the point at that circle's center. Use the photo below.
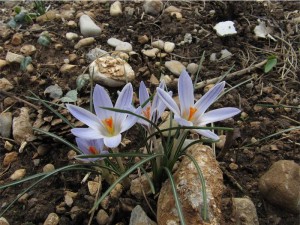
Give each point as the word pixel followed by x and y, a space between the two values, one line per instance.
pixel 185 92
pixel 112 142
pixel 101 99
pixel 130 120
pixel 168 101
pixel 218 115
pixel 87 133
pixel 208 134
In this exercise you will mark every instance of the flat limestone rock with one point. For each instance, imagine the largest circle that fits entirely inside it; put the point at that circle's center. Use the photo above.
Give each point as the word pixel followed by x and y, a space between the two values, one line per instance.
pixel 87 27
pixel 189 190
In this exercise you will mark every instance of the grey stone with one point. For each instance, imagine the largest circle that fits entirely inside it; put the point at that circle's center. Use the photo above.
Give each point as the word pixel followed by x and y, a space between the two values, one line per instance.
pixel 153 7
pixel 5 124
pixel 87 27
pixel 94 54
pixel 139 217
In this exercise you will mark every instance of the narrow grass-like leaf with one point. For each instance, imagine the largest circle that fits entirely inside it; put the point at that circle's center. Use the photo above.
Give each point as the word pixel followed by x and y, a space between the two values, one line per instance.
pixel 199 68
pixel 272 135
pixel 176 198
pixel 115 155
pixel 53 110
pixel 204 210
pixel 119 179
pixel 149 180
pixel 59 139
pixel 66 168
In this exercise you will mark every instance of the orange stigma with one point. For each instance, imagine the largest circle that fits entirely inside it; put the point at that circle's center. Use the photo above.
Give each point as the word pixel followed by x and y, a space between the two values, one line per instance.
pixel 147 112
pixel 193 110
pixel 109 124
pixel 93 150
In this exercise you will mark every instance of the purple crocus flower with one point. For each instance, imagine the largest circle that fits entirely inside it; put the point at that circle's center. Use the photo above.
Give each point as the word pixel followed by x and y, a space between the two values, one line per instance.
pixel 105 124
pixel 152 110
pixel 193 114
pixel 90 147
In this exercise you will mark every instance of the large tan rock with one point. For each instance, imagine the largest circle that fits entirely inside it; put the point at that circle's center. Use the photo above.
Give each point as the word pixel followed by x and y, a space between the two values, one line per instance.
pixel 189 190
pixel 280 185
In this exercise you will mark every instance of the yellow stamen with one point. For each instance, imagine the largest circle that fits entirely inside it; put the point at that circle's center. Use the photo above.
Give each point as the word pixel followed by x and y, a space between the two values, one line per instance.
pixel 109 124
pixel 93 150
pixel 193 110
pixel 147 112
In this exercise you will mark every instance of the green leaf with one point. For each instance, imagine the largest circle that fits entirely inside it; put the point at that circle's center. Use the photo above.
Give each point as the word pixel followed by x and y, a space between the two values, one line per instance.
pixel 44 40
pixel 81 81
pixel 71 96
pixel 17 9
pixel 12 23
pixel 272 61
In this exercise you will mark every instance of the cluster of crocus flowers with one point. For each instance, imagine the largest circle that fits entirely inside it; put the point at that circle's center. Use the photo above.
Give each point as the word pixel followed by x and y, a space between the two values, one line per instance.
pixel 194 114
pixel 105 126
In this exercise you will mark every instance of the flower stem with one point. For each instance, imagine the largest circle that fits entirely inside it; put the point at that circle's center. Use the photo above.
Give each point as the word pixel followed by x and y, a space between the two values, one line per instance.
pixel 119 160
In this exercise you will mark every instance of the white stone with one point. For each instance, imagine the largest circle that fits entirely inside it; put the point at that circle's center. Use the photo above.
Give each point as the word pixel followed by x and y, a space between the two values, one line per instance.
pixel 71 36
pixel 13 57
pixel 171 9
pixel 192 68
pixel 116 9
pixel 158 44
pixel 225 54
pixel 124 46
pixel 87 27
pixel 5 84
pixel 114 42
pixel 175 67
pixel 153 7
pixel 138 216
pixel 28 50
pixel 169 47
pixel 262 31
pixel 213 57
pixel 225 28
pixel 151 52
pixel 18 174
pixel 110 71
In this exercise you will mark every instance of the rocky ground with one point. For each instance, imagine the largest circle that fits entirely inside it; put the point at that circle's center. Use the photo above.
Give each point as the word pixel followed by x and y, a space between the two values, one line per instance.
pixel 50 55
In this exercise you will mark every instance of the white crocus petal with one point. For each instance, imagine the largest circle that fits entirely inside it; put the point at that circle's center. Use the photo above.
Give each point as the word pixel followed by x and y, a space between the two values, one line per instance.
pixel 99 144
pixel 87 133
pixel 112 142
pixel 209 98
pixel 101 99
pixel 82 145
pixel 168 101
pixel 123 102
pixel 218 115
pixel 131 120
pixel 183 122
pixel 208 134
pixel 84 116
pixel 185 92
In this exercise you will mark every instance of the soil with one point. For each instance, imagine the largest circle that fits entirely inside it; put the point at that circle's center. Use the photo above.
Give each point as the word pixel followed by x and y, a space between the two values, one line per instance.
pixel 279 86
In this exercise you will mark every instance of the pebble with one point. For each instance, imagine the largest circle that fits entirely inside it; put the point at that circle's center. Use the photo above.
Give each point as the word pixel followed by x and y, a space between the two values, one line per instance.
pixel 69 198
pixel 114 42
pixel 52 219
pixel 225 28
pixel 138 216
pixel 5 124
pixel 158 44
pixel 71 36
pixel 94 54
pixel 9 158
pixel 115 9
pixel 87 27
pixel 280 185
pixel 72 57
pixel 175 67
pixel 102 217
pixel 67 14
pixel 3 221
pixel 150 52
pixel 18 174
pixel 28 50
pixel 3 63
pixel 8 146
pixel 221 142
pixel 192 68
pixel 22 127
pixel 178 15
pixel 13 57
pixel 213 57
pixel 172 9
pixel 48 168
pixel 233 166
pixel 94 186
pixel 140 186
pixel 142 39
pixel 67 68
pixel 116 192
pixel 72 24
pixel 5 85
pixel 48 16
pixel 169 47
pixel 129 11
pixel 17 39
pixel 153 7
pixel 225 54
pixel 124 46
pixel 166 125
pixel 85 42
pixel 244 211
pixel 23 199
pixel 29 68
pixel 110 71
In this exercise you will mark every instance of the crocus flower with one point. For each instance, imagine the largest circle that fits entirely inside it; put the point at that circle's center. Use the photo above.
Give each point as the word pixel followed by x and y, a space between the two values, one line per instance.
pixel 151 111
pixel 193 114
pixel 90 147
pixel 105 124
